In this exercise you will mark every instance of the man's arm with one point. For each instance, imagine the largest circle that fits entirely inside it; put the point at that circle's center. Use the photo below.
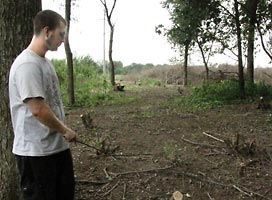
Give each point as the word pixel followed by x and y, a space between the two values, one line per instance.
pixel 44 114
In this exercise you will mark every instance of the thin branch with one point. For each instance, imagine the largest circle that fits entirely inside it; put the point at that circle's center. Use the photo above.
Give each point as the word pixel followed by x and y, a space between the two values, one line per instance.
pixel 143 171
pixel 237 187
pixel 250 192
pixel 213 137
pixel 88 145
pixel 82 181
pixel 262 41
pixel 112 8
pixel 224 8
pixel 108 192
pixel 240 190
pixel 124 192
pixel 104 3
pixel 133 155
pixel 199 144
pixel 209 196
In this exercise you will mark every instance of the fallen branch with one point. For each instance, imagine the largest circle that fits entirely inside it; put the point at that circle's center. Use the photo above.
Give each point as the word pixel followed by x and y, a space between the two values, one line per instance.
pixel 108 192
pixel 124 192
pixel 133 155
pixel 199 144
pixel 92 182
pixel 239 188
pixel 102 151
pixel 251 193
pixel 213 137
pixel 107 174
pixel 143 171
pixel 209 196
pixel 88 145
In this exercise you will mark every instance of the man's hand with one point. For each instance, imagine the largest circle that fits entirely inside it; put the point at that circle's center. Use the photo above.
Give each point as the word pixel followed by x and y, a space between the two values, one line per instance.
pixel 44 114
pixel 70 135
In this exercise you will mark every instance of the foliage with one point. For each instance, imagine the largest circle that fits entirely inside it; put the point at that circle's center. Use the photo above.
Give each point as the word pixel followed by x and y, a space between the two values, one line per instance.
pixel 133 68
pixel 151 82
pixel 215 94
pixel 192 21
pixel 91 87
pixel 171 151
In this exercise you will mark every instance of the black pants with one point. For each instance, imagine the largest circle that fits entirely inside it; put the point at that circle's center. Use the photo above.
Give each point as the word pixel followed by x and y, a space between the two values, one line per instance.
pixel 47 177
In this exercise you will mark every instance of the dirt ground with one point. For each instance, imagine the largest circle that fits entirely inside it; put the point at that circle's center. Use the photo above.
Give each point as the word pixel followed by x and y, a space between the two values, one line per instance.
pixel 148 150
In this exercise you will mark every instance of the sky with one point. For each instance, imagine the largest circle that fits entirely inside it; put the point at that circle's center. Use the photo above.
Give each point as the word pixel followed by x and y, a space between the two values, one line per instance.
pixel 135 39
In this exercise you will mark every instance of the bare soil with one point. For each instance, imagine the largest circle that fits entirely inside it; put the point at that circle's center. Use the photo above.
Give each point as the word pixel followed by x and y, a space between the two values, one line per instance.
pixel 149 150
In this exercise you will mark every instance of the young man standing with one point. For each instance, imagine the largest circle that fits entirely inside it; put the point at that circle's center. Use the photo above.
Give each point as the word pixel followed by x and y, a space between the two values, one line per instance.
pixel 41 140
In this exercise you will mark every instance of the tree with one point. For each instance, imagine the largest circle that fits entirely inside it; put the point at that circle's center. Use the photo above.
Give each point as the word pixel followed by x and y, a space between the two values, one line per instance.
pixel 239 45
pixel 69 55
pixel 233 24
pixel 15 34
pixel 188 17
pixel 264 24
pixel 108 14
pixel 209 32
pixel 251 14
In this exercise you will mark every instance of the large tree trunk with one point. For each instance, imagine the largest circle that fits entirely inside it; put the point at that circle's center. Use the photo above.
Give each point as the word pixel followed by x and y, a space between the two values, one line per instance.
pixel 185 67
pixel 252 9
pixel 239 44
pixel 15 34
pixel 69 56
pixel 112 71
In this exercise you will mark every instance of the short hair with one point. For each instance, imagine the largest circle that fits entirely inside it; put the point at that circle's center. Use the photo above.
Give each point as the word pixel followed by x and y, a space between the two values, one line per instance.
pixel 46 18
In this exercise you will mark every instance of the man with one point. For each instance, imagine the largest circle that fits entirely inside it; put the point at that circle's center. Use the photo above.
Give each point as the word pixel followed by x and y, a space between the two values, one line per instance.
pixel 41 140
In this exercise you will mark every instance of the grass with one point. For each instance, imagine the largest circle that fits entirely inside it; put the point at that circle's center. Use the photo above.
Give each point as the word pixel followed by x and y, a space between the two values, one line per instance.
pixel 91 87
pixel 217 94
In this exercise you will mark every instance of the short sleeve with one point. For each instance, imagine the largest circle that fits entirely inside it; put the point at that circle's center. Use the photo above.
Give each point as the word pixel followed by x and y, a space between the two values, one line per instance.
pixel 29 81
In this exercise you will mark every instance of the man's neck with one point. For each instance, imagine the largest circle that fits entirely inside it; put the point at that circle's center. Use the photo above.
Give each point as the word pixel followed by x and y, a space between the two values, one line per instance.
pixel 37 46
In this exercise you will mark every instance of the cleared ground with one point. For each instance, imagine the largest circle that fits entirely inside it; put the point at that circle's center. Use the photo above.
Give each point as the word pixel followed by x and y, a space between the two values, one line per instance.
pixel 150 148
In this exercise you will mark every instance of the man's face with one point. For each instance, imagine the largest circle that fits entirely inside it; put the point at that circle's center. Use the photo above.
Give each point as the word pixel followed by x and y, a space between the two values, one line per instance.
pixel 55 37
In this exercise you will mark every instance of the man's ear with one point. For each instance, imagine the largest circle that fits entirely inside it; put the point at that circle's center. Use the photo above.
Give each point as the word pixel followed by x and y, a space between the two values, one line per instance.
pixel 46 31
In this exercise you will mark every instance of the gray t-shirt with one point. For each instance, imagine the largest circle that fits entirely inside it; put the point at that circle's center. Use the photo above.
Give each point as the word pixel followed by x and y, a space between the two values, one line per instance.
pixel 34 76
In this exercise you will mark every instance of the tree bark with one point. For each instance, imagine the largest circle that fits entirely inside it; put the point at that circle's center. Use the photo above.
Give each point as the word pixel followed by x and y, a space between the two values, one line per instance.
pixel 108 15
pixel 252 15
pixel 239 44
pixel 69 56
pixel 112 71
pixel 15 34
pixel 185 67
pixel 204 60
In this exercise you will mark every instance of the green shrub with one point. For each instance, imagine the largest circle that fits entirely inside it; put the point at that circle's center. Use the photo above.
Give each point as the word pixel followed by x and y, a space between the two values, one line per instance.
pixel 216 94
pixel 171 151
pixel 91 87
pixel 258 89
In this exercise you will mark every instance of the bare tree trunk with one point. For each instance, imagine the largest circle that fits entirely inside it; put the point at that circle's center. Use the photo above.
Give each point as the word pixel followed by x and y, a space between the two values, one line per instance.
pixel 15 34
pixel 204 60
pixel 108 15
pixel 185 67
pixel 69 55
pixel 239 44
pixel 252 9
pixel 112 71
